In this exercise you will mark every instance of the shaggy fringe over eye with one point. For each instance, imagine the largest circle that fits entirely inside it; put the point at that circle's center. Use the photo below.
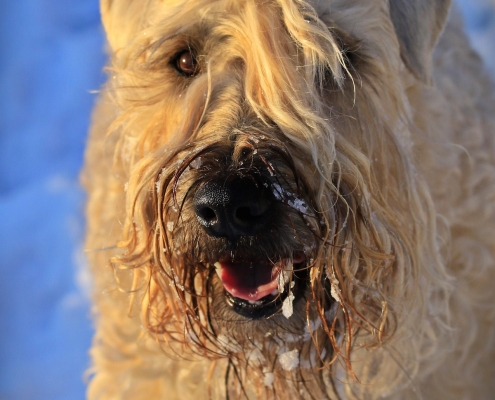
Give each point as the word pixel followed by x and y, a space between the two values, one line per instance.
pixel 376 243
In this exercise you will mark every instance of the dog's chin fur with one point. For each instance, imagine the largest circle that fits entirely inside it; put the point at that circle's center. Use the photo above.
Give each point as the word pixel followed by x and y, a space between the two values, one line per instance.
pixel 380 177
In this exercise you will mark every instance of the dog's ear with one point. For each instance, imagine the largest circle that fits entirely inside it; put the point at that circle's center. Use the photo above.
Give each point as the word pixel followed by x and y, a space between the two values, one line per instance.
pixel 121 19
pixel 418 24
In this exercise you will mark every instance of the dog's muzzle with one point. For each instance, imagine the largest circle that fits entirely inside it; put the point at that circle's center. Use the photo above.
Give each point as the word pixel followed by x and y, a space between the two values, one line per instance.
pixel 255 286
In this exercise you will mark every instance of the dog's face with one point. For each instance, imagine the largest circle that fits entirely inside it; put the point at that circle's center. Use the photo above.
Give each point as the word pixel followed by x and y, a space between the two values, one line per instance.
pixel 270 182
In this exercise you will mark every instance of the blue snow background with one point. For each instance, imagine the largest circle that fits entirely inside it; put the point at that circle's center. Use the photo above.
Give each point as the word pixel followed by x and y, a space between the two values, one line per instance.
pixel 51 59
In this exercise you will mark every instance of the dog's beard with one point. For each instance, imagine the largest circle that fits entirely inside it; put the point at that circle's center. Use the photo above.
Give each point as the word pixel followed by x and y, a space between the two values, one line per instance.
pixel 189 303
pixel 207 281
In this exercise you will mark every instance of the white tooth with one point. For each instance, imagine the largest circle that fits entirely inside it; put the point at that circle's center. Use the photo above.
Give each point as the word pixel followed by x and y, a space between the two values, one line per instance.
pixel 274 293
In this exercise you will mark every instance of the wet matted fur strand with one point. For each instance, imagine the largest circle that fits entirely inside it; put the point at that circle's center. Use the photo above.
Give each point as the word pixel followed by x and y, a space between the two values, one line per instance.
pixel 291 199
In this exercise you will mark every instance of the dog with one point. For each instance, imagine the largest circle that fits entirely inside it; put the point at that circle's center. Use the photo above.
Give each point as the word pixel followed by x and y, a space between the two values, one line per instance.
pixel 291 199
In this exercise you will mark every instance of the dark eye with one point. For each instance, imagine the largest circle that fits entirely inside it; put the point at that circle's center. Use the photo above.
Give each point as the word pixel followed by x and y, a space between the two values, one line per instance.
pixel 186 63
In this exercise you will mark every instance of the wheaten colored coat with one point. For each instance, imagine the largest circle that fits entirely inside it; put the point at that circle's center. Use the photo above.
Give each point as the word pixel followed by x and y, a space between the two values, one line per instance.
pixel 392 145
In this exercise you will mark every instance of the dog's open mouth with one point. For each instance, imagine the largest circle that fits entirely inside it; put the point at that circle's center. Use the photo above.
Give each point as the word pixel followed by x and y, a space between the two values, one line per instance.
pixel 258 288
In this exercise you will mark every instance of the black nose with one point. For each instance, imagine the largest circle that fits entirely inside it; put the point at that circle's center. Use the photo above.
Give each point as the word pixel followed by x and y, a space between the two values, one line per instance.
pixel 240 207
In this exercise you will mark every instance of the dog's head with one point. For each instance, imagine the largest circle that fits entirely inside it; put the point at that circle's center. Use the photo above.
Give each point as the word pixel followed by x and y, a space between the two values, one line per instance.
pixel 272 198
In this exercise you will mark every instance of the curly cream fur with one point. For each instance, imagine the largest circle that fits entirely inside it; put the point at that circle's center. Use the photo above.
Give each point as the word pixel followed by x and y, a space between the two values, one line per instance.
pixel 399 177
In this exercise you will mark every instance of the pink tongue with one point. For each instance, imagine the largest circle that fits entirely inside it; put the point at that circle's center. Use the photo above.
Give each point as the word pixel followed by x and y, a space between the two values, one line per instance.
pixel 249 280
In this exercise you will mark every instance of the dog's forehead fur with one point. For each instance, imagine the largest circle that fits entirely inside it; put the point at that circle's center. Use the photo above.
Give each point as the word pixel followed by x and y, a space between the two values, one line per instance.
pixel 265 58
pixel 417 24
pixel 325 106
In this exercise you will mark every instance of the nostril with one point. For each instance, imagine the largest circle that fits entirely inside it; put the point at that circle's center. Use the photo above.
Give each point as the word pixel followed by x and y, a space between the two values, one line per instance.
pixel 207 214
pixel 244 214
pixel 251 213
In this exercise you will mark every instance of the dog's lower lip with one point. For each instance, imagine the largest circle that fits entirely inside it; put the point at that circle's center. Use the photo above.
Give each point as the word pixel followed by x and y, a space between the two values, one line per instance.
pixel 264 308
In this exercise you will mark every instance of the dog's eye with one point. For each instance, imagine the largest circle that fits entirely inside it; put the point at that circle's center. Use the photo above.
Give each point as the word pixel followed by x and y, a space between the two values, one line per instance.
pixel 186 63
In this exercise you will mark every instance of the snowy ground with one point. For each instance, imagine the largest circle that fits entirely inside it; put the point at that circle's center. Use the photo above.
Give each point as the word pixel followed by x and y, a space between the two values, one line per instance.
pixel 51 60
